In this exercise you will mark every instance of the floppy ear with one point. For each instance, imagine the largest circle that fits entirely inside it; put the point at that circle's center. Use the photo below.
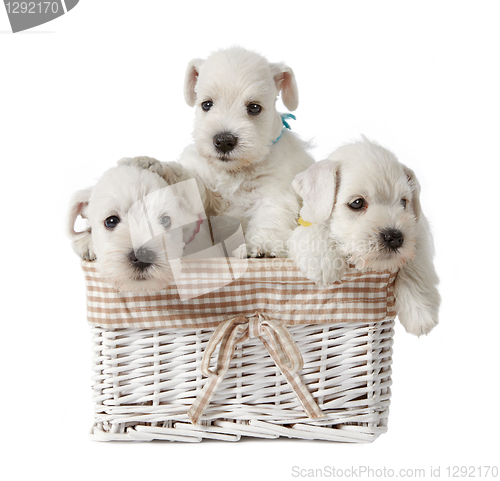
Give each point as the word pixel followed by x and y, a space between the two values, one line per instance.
pixel 415 189
pixel 417 296
pixel 190 80
pixel 82 241
pixel 317 187
pixel 77 207
pixel 286 84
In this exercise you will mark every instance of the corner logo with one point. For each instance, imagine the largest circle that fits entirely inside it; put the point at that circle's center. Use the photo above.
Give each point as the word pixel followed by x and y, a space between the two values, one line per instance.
pixel 25 15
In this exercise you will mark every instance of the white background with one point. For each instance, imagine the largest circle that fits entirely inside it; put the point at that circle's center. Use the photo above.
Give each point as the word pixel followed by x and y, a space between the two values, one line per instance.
pixel 105 81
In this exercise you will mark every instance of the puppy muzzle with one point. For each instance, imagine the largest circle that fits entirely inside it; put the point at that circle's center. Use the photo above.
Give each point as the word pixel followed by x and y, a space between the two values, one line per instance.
pixel 224 142
pixel 143 258
pixel 392 239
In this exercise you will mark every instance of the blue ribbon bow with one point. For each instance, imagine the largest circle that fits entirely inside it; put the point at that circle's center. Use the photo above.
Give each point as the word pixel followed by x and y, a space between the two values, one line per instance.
pixel 286 125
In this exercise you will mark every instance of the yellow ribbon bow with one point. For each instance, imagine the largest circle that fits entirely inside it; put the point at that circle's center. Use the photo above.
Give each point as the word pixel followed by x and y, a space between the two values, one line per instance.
pixel 303 222
pixel 280 345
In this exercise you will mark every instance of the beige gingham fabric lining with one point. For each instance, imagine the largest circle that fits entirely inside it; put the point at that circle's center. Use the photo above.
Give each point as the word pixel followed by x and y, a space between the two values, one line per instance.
pixel 271 287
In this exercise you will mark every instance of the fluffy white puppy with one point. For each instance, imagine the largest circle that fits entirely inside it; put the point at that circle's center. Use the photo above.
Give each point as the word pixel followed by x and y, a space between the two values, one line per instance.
pixel 242 152
pixel 137 223
pixel 364 209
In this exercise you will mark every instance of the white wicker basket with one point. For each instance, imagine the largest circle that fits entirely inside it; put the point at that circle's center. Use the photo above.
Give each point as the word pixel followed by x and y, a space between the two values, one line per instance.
pixel 146 379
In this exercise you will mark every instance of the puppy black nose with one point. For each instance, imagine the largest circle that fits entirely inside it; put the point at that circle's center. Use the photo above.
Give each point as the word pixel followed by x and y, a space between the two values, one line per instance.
pixel 225 142
pixel 143 258
pixel 392 238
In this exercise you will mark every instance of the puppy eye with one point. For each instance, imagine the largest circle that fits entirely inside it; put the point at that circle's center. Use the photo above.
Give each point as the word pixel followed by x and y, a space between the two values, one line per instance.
pixel 357 204
pixel 403 203
pixel 166 222
pixel 254 109
pixel 207 105
pixel 112 221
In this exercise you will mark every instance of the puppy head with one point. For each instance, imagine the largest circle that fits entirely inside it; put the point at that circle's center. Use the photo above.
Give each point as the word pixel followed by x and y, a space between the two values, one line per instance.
pixel 234 92
pixel 370 202
pixel 137 223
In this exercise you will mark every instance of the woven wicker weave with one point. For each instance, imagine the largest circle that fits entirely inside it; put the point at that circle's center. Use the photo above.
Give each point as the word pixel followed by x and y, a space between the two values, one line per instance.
pixel 145 381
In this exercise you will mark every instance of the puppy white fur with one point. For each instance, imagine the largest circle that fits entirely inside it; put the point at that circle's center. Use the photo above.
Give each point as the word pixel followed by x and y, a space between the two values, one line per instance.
pixel 365 210
pixel 171 172
pixel 136 224
pixel 247 172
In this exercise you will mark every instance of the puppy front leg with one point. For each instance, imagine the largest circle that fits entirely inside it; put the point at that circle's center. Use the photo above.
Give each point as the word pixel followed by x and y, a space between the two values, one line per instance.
pixel 270 225
pixel 266 242
pixel 316 254
pixel 417 297
pixel 144 162
pixel 172 172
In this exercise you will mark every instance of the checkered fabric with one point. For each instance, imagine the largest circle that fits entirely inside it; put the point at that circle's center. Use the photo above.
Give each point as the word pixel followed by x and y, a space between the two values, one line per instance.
pixel 273 288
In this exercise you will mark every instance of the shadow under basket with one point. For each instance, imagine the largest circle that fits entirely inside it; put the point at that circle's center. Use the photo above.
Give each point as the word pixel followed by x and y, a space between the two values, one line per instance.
pixel 275 347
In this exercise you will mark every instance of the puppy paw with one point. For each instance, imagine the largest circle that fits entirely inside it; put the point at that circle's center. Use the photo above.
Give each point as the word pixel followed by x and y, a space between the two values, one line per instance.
pixel 240 252
pixel 245 252
pixel 331 273
pixel 260 252
pixel 263 244
pixel 316 255
pixel 84 249
pixel 144 162
pixel 324 270
pixel 89 255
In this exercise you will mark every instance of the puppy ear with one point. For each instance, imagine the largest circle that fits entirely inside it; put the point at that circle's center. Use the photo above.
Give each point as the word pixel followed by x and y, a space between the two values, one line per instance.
pixel 415 189
pixel 416 292
pixel 286 84
pixel 82 241
pixel 317 186
pixel 77 207
pixel 190 80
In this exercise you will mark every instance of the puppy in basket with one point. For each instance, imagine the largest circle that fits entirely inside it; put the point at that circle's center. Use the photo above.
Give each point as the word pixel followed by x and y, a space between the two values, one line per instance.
pixel 362 207
pixel 242 151
pixel 138 224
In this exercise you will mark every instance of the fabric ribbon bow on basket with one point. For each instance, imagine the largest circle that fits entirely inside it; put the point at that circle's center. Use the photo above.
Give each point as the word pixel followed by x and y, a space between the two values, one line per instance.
pixel 280 345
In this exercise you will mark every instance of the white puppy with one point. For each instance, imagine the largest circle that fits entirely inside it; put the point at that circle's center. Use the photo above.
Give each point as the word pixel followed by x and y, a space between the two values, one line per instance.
pixel 137 224
pixel 242 152
pixel 364 209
